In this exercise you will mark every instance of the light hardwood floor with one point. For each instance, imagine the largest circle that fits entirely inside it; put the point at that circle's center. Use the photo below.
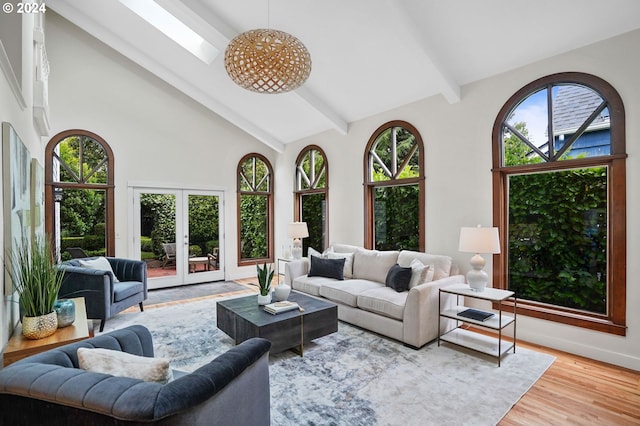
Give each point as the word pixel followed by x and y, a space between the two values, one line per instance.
pixel 576 391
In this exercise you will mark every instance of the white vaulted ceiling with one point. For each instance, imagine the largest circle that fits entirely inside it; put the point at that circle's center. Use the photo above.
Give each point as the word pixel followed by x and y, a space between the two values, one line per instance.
pixel 369 56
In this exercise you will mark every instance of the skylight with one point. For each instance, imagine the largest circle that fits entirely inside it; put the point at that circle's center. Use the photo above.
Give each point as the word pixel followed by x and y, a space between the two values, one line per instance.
pixel 173 28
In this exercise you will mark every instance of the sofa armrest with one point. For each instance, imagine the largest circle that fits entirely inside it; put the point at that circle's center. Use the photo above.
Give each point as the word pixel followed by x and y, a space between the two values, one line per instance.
pixel 421 310
pixel 220 375
pixel 295 269
pixel 94 285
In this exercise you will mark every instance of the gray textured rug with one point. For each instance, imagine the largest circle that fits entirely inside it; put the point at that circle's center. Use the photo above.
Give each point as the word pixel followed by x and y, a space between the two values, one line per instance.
pixel 354 377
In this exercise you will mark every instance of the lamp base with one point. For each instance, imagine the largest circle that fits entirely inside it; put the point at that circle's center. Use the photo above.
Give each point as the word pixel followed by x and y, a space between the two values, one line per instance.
pixel 296 250
pixel 477 277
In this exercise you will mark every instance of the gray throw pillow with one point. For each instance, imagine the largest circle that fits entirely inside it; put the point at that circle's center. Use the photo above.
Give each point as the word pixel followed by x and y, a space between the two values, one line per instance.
pixel 398 278
pixel 328 268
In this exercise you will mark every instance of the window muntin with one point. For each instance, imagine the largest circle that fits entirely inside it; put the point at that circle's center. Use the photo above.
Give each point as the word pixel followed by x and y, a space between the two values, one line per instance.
pixel 575 201
pixel 255 210
pixel 311 196
pixel 579 122
pixel 394 186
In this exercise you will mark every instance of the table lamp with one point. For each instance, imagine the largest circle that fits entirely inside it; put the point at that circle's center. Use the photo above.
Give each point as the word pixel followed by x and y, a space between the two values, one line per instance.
pixel 297 231
pixel 478 240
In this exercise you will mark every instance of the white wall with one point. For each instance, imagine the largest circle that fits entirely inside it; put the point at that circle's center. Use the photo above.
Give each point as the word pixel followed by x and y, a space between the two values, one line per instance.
pixel 457 142
pixel 22 121
pixel 157 134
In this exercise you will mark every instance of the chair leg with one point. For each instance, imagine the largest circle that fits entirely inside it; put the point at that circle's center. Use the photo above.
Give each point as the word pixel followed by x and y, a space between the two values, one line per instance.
pixel 141 307
pixel 102 325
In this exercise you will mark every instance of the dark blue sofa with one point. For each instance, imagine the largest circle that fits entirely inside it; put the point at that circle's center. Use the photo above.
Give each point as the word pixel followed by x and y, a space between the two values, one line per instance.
pixel 49 388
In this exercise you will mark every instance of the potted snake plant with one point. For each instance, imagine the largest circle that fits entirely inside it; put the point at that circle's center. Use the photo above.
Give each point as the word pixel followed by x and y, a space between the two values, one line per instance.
pixel 37 281
pixel 265 275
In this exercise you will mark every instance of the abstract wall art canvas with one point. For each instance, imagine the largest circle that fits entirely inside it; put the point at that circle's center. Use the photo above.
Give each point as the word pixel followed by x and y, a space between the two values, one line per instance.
pixel 16 170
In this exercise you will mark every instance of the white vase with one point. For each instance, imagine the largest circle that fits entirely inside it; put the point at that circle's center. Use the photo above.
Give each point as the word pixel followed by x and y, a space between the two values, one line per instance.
pixel 264 300
pixel 281 292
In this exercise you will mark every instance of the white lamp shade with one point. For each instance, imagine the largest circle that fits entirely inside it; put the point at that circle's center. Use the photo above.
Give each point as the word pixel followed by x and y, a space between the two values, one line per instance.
pixel 297 230
pixel 479 240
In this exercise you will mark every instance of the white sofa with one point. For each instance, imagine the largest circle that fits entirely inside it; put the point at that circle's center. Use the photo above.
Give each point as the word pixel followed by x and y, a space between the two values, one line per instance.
pixel 364 300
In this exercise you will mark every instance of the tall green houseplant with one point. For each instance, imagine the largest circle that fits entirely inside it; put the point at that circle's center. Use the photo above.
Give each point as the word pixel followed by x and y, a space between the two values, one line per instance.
pixel 35 277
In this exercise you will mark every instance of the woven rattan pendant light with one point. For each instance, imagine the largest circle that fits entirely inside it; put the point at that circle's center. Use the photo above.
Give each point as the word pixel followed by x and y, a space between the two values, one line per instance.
pixel 267 61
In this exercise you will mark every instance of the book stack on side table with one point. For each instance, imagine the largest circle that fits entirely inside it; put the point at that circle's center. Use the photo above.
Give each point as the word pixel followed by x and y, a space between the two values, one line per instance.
pixel 278 307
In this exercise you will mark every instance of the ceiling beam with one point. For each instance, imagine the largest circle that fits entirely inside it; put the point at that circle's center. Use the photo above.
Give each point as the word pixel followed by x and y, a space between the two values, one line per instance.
pixel 304 93
pixel 448 86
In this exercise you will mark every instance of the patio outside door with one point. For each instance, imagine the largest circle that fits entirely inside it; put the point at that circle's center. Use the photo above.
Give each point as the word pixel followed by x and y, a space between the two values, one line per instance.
pixel 179 233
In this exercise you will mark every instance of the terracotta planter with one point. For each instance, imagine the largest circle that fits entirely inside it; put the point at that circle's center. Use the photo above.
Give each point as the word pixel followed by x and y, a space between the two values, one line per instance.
pixel 40 327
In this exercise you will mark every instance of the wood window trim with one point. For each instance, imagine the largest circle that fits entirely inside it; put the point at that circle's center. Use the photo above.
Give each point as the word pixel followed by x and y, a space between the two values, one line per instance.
pixel 369 186
pixel 614 322
pixel 109 187
pixel 299 193
pixel 270 211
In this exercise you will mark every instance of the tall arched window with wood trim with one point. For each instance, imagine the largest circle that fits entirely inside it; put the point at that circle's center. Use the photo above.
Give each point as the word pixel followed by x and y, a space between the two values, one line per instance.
pixel 559 188
pixel 312 196
pixel 79 193
pixel 394 188
pixel 255 210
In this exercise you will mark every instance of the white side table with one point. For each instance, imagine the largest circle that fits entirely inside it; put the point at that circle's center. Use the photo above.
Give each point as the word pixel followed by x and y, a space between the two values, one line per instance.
pixel 476 341
pixel 285 260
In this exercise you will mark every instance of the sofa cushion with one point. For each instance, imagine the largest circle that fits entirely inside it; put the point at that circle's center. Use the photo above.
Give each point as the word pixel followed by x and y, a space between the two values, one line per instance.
pixel 125 289
pixel 310 285
pixel 442 264
pixel 346 292
pixel 398 278
pixel 420 273
pixel 348 262
pixel 313 252
pixel 328 268
pixel 344 248
pixel 383 301
pixel 99 263
pixel 373 264
pixel 123 364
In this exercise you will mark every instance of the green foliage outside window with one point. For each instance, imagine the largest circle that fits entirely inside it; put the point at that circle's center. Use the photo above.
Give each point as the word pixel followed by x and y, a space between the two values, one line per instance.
pixel 253 226
pixel 558 238
pixel 313 212
pixel 396 218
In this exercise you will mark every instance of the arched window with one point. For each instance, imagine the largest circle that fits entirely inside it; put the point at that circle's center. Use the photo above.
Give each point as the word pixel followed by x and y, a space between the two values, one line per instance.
pixel 559 200
pixel 255 210
pixel 394 188
pixel 79 193
pixel 312 196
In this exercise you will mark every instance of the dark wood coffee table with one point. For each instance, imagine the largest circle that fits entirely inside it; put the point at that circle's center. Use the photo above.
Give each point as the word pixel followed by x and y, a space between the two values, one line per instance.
pixel 243 318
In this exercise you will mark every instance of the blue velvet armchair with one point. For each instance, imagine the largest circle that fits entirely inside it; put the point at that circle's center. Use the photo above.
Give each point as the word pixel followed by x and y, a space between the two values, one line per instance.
pixel 104 297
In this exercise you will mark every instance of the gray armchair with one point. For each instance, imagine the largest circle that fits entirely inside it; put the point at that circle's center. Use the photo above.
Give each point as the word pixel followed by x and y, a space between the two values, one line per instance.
pixel 102 295
pixel 50 389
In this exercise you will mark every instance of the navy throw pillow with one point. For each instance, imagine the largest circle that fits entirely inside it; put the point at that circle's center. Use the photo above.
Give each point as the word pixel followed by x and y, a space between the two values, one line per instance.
pixel 398 278
pixel 328 268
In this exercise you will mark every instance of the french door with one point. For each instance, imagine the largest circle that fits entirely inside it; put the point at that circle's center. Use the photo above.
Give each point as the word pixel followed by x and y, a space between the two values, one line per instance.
pixel 179 233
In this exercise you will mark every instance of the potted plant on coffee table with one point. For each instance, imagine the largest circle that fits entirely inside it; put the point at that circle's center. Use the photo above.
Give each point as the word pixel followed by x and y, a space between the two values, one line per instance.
pixel 37 282
pixel 265 275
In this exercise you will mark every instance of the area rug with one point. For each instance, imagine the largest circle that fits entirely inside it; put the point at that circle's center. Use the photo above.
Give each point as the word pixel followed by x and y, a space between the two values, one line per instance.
pixel 192 291
pixel 355 377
